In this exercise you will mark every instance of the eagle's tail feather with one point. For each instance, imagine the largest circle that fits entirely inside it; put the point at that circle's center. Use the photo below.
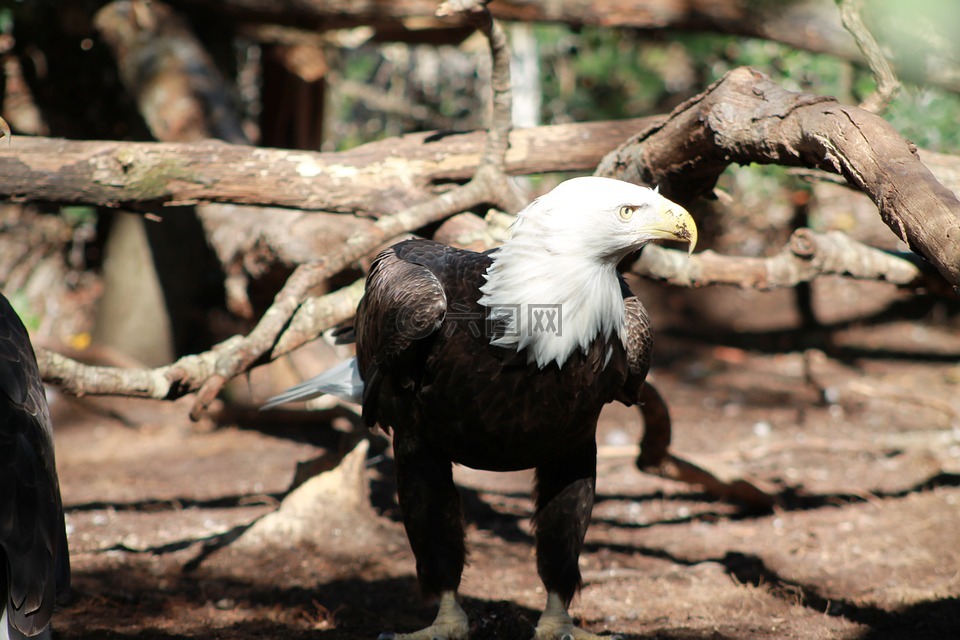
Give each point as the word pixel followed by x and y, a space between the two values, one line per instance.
pixel 342 381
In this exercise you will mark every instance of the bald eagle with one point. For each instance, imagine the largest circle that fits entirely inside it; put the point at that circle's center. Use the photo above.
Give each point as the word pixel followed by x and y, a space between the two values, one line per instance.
pixel 502 361
pixel 34 565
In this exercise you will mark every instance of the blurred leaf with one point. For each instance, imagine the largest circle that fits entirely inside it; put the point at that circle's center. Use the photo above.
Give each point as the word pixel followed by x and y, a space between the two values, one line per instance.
pixel 21 304
pixel 77 215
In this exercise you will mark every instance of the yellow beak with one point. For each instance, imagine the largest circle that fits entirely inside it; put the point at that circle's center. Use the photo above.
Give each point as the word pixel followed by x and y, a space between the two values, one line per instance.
pixel 675 223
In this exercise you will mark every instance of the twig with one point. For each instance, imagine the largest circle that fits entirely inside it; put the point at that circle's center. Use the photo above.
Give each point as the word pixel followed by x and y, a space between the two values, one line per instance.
pixel 851 12
pixel 654 457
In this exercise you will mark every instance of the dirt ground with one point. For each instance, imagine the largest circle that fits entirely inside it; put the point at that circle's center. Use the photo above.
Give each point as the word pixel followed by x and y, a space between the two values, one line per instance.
pixel 857 430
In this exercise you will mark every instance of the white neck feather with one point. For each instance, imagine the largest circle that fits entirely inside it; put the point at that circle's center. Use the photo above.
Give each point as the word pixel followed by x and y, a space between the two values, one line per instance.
pixel 529 280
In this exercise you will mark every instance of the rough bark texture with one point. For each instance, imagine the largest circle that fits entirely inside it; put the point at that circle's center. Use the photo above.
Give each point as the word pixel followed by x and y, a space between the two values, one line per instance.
pixel 745 118
pixel 808 255
pixel 374 179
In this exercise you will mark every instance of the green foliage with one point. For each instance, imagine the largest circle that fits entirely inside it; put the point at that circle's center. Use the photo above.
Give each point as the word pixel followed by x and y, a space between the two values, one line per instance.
pixel 596 74
pixel 927 116
pixel 77 215
pixel 21 304
pixel 6 20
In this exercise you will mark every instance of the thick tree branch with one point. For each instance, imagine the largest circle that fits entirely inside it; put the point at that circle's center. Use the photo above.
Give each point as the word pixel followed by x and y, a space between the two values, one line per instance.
pixel 746 118
pixel 370 180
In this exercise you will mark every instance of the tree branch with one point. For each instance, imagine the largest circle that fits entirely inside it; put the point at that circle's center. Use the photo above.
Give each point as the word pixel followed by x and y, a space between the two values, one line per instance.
pixel 744 118
pixel 807 256
pixel 367 180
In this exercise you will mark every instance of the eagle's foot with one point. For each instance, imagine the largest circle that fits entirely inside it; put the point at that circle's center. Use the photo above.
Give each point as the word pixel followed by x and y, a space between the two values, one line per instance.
pixel 450 624
pixel 556 624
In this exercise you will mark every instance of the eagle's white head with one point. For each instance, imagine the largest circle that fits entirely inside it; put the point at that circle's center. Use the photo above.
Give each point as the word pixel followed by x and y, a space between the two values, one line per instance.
pixel 554 282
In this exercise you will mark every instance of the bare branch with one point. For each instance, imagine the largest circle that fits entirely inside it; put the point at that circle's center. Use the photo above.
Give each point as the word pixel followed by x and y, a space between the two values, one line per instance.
pixel 163 383
pixel 851 12
pixel 365 180
pixel 717 480
pixel 808 255
pixel 189 373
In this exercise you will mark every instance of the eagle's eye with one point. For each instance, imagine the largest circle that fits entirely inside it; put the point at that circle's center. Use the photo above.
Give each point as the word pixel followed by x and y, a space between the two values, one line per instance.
pixel 625 212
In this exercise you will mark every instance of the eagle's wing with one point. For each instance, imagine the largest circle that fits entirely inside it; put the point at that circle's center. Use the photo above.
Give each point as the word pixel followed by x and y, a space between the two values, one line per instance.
pixel 639 345
pixel 33 545
pixel 404 303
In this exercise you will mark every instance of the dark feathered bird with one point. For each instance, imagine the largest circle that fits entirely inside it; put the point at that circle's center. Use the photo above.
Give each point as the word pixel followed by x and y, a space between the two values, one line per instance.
pixel 34 565
pixel 502 361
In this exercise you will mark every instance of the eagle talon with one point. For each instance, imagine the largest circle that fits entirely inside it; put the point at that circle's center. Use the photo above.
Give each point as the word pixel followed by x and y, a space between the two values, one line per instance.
pixel 556 624
pixel 451 623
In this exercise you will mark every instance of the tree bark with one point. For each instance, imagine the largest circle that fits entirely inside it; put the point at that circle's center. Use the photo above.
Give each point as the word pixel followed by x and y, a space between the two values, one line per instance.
pixel 375 179
pixel 746 118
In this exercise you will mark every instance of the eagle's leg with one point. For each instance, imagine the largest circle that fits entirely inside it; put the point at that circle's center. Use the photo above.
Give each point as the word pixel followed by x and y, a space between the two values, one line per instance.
pixel 433 520
pixel 565 490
